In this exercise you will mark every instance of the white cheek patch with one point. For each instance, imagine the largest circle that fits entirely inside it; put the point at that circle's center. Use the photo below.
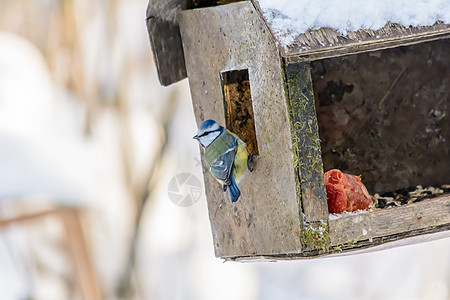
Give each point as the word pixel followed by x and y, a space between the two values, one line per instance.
pixel 208 139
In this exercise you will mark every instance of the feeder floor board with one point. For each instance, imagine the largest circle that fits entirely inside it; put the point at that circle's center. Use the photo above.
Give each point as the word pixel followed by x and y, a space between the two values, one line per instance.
pixel 379 229
pixel 396 222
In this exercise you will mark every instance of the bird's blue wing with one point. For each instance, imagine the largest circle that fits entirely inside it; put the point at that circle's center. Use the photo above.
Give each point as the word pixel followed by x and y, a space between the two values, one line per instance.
pixel 221 168
pixel 233 189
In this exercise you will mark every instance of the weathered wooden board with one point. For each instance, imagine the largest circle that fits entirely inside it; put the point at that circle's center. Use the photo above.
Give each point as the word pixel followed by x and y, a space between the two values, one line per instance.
pixel 388 222
pixel 285 195
pixel 208 3
pixel 416 237
pixel 266 218
pixel 165 40
pixel 305 134
pixel 164 34
pixel 327 42
pixel 380 229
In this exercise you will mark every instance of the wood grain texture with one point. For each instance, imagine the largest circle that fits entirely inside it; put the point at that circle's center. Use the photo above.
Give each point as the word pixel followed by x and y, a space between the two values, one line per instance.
pixel 353 228
pixel 305 134
pixel 164 34
pixel 165 40
pixel 380 229
pixel 327 42
pixel 379 244
pixel 266 218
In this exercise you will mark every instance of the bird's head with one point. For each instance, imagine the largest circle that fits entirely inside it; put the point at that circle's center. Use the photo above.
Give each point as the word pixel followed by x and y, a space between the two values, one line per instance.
pixel 208 131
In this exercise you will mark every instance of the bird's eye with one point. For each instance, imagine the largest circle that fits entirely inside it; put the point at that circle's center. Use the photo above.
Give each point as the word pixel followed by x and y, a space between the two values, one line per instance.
pixel 208 132
pixel 205 133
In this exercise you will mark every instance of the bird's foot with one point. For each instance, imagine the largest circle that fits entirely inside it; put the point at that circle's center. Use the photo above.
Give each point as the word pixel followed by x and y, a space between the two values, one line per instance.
pixel 251 162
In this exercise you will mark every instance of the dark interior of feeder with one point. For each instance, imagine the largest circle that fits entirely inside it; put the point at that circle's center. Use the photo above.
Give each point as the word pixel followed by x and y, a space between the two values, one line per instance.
pixel 239 108
pixel 207 3
pixel 385 115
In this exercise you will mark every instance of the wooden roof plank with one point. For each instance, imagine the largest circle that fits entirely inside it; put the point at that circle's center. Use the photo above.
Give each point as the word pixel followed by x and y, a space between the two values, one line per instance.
pixel 328 42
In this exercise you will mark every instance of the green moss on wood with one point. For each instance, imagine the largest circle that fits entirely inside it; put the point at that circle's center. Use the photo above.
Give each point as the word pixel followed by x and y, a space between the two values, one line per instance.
pixel 305 134
pixel 304 123
pixel 315 236
pixel 295 146
pixel 348 244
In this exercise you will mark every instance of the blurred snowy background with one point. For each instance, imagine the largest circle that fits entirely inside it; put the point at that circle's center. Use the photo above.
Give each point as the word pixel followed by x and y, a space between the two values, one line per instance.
pixel 84 123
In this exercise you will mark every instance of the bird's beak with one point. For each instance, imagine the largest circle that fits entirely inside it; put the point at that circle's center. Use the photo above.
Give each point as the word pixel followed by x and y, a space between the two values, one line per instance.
pixel 195 137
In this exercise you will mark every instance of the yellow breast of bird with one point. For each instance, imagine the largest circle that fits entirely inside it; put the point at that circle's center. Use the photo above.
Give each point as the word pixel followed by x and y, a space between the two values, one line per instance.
pixel 240 159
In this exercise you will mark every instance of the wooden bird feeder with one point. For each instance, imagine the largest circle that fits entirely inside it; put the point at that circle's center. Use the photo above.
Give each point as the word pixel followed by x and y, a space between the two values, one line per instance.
pixel 371 103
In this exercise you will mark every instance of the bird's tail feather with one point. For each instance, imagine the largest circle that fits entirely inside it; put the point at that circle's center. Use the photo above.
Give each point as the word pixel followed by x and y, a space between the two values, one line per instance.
pixel 233 189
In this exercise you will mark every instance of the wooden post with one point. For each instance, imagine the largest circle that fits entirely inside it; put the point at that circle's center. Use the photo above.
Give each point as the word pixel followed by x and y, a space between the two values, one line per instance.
pixel 307 157
pixel 305 135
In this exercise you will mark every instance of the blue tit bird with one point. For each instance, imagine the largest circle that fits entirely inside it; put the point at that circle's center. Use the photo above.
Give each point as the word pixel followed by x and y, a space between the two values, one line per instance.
pixel 225 155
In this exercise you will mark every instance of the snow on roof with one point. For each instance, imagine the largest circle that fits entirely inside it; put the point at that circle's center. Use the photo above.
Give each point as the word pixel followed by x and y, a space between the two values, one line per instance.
pixel 290 18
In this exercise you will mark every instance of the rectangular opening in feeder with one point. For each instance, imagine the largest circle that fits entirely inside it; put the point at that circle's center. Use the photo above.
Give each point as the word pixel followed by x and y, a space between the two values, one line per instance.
pixel 208 3
pixel 238 107
pixel 385 115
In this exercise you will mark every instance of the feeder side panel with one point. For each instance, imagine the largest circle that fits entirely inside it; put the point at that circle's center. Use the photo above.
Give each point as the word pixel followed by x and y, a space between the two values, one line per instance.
pixel 265 220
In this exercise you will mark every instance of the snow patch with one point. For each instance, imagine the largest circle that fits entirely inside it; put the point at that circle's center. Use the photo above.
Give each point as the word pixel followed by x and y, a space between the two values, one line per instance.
pixel 290 18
